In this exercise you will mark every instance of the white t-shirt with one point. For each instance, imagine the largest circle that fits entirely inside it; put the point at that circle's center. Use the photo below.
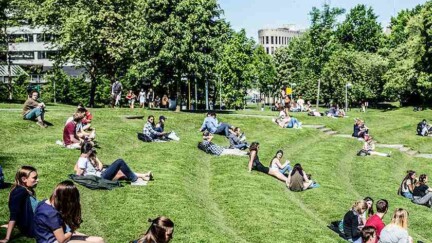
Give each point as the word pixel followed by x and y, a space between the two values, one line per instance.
pixel 88 168
pixel 405 185
pixel 300 102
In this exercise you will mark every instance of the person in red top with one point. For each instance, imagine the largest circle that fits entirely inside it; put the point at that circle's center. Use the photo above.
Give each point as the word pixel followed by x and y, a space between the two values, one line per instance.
pixel 376 219
pixel 86 121
pixel 70 138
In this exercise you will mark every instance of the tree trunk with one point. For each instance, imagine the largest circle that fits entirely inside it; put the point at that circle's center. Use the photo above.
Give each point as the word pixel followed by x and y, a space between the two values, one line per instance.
pixel 178 93
pixel 92 90
pixel 10 87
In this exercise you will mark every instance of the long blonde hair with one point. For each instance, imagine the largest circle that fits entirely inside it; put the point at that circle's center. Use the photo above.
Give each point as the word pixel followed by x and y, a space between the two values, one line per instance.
pixel 24 171
pixel 400 218
pixel 359 205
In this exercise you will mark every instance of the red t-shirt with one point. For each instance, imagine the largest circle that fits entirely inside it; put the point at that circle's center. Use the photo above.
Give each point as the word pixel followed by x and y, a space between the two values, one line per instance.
pixel 68 130
pixel 376 222
pixel 88 118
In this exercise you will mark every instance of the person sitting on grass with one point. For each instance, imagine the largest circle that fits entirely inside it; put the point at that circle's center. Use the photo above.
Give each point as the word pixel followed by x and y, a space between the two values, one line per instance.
pixel 150 132
pixel 34 110
pixel 88 117
pixel 212 125
pixel 369 235
pixel 360 129
pixel 70 138
pixel 209 147
pixel 375 220
pixel 161 230
pixel 89 164
pixel 283 118
pixel 397 230
pixel 81 133
pixel 298 180
pixel 277 165
pixel 255 164
pixel 236 140
pixel 159 127
pixel 58 218
pixel 369 212
pixel 22 203
pixel 422 193
pixel 369 147
pixel 407 185
pixel 352 222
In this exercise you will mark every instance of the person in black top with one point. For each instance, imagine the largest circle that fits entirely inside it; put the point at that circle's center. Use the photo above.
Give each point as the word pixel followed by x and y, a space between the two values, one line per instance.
pixel 22 202
pixel 352 222
pixel 422 193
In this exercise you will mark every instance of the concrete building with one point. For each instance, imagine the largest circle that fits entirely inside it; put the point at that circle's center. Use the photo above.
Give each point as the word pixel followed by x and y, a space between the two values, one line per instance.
pixel 272 39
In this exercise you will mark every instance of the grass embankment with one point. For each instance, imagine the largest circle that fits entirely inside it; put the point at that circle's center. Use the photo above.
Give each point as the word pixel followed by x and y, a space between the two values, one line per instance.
pixel 215 199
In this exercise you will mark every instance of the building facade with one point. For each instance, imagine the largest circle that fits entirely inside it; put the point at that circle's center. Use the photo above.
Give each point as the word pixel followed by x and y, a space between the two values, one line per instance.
pixel 272 39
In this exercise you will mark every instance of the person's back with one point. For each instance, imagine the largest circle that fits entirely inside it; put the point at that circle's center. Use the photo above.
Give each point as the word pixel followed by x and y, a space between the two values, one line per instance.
pixel 296 182
pixel 394 234
pixel 21 207
pixel 68 130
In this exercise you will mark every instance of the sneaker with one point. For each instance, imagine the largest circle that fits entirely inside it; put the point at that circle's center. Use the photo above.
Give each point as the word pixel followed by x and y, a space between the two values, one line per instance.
pixel 41 124
pixel 139 182
pixel 58 142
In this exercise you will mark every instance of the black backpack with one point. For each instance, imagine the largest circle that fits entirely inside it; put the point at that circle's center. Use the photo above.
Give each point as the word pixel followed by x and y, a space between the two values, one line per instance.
pixel 144 138
pixel 362 153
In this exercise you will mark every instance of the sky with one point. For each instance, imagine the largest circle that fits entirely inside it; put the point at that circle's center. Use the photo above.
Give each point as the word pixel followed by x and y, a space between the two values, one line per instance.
pixel 253 15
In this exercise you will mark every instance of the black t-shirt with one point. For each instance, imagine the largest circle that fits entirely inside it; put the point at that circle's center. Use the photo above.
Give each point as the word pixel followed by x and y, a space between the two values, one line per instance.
pixel 420 191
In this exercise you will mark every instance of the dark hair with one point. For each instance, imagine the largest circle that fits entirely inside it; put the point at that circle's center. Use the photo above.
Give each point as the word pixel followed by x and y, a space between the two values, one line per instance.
pixel 408 176
pixel 236 129
pixel 86 148
pixel 81 110
pixel 156 233
pixel 279 151
pixel 370 211
pixel 297 167
pixel 254 146
pixel 422 179
pixel 367 233
pixel 66 199
pixel 151 116
pixel 382 206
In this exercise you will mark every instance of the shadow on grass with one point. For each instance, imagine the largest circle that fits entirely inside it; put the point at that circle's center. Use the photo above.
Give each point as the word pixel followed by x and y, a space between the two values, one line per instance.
pixel 334 226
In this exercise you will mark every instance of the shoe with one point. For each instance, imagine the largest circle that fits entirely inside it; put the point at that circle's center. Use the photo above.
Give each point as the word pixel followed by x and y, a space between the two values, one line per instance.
pixel 41 124
pixel 139 182
pixel 148 176
pixel 58 142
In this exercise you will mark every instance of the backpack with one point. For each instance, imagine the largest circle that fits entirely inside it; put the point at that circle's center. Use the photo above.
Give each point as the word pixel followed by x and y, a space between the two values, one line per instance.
pixel 144 138
pixel 362 152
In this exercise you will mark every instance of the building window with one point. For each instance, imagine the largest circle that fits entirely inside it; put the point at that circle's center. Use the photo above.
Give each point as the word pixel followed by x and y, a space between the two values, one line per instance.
pixel 19 55
pixel 272 50
pixel 267 50
pixel 267 39
pixel 280 40
pixel 46 54
pixel 17 38
pixel 276 39
pixel 272 40
pixel 44 37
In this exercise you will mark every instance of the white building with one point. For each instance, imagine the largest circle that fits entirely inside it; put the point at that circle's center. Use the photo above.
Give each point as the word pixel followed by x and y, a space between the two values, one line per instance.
pixel 272 39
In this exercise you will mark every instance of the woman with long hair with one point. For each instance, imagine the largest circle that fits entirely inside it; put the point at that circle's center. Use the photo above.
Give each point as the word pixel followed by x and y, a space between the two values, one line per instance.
pixel 422 193
pixel 397 230
pixel 298 179
pixel 352 222
pixel 161 230
pixel 22 202
pixel 276 164
pixel 57 218
pixel 407 185
pixel 89 164
pixel 149 129
pixel 369 146
pixel 369 212
pixel 255 164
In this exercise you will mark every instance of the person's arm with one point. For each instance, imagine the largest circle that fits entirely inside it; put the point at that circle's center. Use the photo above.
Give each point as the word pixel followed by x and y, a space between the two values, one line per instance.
pixel 305 178
pixel 11 225
pixel 99 163
pixel 60 236
pixel 203 126
pixel 251 159
pixel 365 146
pixel 275 160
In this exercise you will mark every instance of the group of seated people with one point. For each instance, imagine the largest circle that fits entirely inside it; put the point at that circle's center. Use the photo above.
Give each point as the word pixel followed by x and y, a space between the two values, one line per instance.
pixel 295 178
pixel 284 120
pixel 424 129
pixel 57 219
pixel 361 131
pixel 155 132
pixel 335 111
pixel 361 224
pixel 34 110
pixel 77 129
pixel 417 190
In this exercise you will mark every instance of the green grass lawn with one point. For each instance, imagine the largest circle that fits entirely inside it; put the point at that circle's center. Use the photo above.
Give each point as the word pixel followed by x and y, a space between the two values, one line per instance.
pixel 215 199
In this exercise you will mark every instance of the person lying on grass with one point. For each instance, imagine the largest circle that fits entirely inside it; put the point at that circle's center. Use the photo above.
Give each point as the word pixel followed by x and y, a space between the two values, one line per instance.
pixel 58 218
pixel 209 147
pixel 352 222
pixel 422 193
pixel 34 110
pixel 406 187
pixel 298 180
pixel 22 203
pixel 89 164
pixel 161 230
pixel 255 164
pixel 369 147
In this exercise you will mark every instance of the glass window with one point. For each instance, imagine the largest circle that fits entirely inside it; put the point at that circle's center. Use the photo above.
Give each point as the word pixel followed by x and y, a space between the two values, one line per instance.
pixel 267 50
pixel 46 54
pixel 20 38
pixel 272 50
pixel 45 37
pixel 267 39
pixel 276 39
pixel 272 40
pixel 19 55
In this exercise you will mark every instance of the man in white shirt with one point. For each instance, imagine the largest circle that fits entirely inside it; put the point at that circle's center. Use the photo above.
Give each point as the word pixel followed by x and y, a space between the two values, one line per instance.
pixel 300 103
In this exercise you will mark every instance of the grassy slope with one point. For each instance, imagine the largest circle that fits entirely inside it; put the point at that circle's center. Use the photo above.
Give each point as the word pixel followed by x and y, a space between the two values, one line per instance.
pixel 214 199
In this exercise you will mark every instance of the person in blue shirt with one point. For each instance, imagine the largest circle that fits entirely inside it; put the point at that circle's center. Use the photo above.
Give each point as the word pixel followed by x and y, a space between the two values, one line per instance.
pixel 212 125
pixel 22 202
pixel 57 218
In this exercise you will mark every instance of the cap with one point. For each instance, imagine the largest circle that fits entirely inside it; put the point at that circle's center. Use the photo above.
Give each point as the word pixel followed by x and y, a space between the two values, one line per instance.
pixel 162 118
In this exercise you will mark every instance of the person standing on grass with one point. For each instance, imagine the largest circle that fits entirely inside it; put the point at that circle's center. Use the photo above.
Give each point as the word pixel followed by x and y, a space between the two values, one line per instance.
pixel 161 230
pixel 22 202
pixel 422 193
pixel 34 110
pixel 142 98
pixel 130 97
pixel 116 90
pixel 397 230
pixel 352 222
pixel 150 98
pixel 57 219
pixel 255 163
pixel 376 219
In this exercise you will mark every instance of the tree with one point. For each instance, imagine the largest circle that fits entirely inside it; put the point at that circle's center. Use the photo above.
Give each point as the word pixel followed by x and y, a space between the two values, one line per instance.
pixel 398 34
pixel 264 71
pixel 360 30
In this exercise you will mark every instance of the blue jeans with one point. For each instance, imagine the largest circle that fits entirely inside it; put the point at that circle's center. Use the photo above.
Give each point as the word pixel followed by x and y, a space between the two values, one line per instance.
pixel 287 168
pixel 358 240
pixel 223 129
pixel 158 129
pixel 407 195
pixel 31 115
pixel 114 168
pixel 292 122
pixel 241 146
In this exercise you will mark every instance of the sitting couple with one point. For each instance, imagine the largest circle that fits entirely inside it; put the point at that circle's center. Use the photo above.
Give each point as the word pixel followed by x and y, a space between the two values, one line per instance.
pixel 209 147
pixel 416 189
pixel 286 121
pixel 360 129
pixel 212 125
pixel 155 132
pixel 335 111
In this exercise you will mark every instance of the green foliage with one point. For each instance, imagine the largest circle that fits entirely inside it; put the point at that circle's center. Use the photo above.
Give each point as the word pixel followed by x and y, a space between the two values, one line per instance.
pixel 360 30
pixel 66 89
pixel 264 71
pixel 398 34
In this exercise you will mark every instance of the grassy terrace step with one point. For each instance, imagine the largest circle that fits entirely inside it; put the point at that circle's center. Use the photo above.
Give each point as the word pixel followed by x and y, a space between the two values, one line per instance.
pixel 215 199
